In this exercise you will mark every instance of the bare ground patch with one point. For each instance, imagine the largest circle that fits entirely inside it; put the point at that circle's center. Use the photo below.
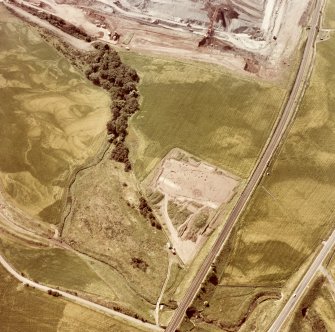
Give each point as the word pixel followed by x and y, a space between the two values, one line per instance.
pixel 185 193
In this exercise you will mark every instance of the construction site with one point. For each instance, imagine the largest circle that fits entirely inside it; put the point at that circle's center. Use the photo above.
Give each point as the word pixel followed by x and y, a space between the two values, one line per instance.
pixel 255 36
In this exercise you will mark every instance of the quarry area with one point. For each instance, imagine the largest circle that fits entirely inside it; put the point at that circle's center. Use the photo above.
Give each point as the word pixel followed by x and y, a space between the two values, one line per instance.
pixel 185 192
pixel 257 36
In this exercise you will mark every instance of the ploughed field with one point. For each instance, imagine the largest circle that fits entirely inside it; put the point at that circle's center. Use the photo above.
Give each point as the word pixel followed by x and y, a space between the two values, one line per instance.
pixel 51 120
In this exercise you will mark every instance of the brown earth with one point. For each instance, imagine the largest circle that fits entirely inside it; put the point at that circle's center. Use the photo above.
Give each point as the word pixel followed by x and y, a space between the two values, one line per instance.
pixel 238 31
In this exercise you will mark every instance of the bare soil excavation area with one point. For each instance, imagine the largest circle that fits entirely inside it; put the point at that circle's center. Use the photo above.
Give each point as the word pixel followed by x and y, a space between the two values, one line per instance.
pixel 186 192
pixel 257 36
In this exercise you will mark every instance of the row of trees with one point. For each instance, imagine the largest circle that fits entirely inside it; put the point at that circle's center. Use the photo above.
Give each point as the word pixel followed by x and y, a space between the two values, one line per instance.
pixel 107 70
pixel 146 212
pixel 55 21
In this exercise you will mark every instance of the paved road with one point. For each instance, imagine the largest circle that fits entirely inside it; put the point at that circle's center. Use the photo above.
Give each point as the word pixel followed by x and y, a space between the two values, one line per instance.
pixel 299 291
pixel 79 300
pixel 286 117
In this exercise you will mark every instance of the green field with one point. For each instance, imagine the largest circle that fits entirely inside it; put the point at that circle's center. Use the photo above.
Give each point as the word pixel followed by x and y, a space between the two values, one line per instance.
pixel 218 117
pixel 51 119
pixel 293 208
pixel 24 309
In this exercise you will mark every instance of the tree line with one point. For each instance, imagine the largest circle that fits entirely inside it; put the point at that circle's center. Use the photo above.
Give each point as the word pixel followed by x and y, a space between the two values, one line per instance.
pixel 107 71
pixel 54 20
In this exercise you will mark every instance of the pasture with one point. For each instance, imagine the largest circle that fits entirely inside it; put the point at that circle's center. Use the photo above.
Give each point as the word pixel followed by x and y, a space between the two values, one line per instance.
pixel 78 273
pixel 329 19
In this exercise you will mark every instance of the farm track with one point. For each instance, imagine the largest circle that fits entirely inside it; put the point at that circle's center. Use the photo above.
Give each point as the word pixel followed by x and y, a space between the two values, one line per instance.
pixel 278 134
pixel 77 299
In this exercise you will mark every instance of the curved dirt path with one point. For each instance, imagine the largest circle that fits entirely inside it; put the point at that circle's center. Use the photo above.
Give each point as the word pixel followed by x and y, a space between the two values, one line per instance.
pixel 162 293
pixel 77 299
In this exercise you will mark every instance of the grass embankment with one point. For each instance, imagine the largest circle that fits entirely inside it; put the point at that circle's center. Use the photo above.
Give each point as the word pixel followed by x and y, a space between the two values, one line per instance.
pixel 51 119
pixel 218 117
pixel 293 208
pixel 316 310
pixel 331 264
pixel 24 309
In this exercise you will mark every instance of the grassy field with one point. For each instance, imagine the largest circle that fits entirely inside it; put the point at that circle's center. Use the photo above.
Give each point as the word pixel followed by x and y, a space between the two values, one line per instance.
pixel 51 119
pixel 293 208
pixel 105 223
pixel 329 20
pixel 70 271
pixel 316 311
pixel 23 309
pixel 218 117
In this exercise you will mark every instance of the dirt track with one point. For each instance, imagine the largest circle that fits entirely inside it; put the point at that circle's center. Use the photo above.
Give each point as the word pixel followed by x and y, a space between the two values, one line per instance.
pixel 77 299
